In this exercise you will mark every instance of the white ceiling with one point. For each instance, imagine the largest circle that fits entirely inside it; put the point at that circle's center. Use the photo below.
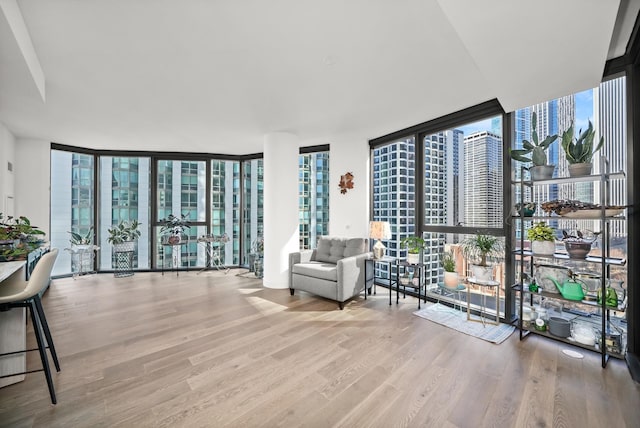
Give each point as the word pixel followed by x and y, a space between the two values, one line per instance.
pixel 216 76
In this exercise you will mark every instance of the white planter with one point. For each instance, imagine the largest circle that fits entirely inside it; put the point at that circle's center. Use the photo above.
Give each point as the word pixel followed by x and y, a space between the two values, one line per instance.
pixel 542 172
pixel 482 273
pixel 451 280
pixel 413 259
pixel 124 246
pixel 543 248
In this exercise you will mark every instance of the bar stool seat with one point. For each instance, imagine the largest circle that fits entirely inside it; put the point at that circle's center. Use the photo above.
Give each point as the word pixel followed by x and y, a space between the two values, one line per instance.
pixel 25 294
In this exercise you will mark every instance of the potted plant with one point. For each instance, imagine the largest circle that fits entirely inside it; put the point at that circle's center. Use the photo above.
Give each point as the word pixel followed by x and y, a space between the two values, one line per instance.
pixel 478 249
pixel 414 246
pixel 578 245
pixel 174 229
pixel 124 235
pixel 80 239
pixel 579 151
pixel 542 239
pixel 18 237
pixel 448 262
pixel 537 150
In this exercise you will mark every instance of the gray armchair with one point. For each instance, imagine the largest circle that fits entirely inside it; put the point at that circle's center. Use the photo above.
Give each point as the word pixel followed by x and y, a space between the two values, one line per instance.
pixel 335 269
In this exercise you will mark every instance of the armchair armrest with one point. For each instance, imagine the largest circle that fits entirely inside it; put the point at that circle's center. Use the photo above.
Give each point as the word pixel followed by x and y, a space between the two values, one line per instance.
pixel 298 257
pixel 351 280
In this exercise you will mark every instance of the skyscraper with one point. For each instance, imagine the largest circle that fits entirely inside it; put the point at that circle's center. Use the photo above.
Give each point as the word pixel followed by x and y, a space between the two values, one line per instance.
pixel 483 180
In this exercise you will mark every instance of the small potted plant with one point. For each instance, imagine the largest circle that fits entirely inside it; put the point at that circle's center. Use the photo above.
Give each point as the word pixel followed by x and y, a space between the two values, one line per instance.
pixel 579 151
pixel 78 239
pixel 414 246
pixel 537 151
pixel 18 237
pixel 526 209
pixel 174 228
pixel 578 245
pixel 448 262
pixel 542 239
pixel 478 250
pixel 124 235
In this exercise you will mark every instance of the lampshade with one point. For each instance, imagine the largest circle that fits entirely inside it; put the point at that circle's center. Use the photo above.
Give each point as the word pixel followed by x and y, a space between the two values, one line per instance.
pixel 379 230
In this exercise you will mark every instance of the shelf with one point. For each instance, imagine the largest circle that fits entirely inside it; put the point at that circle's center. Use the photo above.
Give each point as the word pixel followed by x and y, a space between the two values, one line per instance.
pixel 564 180
pixel 562 256
pixel 561 218
pixel 569 341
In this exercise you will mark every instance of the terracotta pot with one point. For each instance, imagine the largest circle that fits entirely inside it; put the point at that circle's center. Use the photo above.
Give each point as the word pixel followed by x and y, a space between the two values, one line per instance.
pixel 451 279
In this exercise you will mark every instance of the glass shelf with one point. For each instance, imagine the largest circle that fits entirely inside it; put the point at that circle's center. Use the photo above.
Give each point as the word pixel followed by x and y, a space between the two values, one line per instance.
pixel 562 256
pixel 583 179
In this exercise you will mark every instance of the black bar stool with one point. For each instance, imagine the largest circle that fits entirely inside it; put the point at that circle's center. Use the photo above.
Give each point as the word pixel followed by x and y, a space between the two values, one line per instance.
pixel 22 294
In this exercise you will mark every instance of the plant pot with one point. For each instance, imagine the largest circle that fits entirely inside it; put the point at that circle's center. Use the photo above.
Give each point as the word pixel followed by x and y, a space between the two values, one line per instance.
pixel 451 280
pixel 413 259
pixel 482 273
pixel 542 172
pixel 578 250
pixel 559 327
pixel 526 209
pixel 543 248
pixel 580 169
pixel 124 246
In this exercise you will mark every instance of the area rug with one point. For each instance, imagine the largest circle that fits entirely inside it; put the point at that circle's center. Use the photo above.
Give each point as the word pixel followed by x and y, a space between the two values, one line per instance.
pixel 457 320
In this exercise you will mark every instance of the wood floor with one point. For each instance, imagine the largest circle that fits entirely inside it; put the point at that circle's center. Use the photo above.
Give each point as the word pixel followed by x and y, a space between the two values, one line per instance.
pixel 215 350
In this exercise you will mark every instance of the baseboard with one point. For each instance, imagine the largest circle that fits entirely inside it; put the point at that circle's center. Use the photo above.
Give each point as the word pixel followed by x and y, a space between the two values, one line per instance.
pixel 633 363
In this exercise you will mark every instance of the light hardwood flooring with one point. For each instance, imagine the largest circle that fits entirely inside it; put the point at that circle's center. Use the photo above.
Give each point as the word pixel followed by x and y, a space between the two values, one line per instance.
pixel 214 350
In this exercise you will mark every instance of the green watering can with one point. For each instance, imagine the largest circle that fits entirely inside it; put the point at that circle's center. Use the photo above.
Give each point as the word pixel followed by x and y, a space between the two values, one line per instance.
pixel 570 289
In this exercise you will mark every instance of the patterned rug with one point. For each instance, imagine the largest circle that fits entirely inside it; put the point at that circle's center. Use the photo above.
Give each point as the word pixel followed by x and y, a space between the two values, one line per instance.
pixel 457 320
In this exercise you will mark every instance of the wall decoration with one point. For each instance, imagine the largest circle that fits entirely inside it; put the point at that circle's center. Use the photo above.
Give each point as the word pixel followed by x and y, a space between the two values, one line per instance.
pixel 346 182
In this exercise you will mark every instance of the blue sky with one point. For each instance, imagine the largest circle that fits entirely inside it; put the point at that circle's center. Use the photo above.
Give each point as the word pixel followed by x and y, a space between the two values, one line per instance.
pixel 584 113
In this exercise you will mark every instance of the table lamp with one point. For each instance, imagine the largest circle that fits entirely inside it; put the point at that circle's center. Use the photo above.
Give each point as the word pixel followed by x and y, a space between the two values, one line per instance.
pixel 379 230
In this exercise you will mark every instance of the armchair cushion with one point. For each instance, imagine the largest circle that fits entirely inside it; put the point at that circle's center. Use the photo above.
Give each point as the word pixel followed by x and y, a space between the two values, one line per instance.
pixel 331 250
pixel 319 270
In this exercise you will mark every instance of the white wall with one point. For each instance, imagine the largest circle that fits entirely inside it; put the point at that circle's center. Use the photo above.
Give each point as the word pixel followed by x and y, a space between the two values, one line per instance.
pixel 32 181
pixel 7 181
pixel 349 212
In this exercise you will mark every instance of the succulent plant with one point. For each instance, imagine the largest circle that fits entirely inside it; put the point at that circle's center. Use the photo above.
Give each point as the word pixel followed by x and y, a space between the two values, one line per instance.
pixel 534 147
pixel 580 149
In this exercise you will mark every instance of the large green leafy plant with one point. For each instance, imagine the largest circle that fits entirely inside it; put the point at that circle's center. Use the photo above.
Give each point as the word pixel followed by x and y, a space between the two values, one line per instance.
pixel 580 149
pixel 534 151
pixel 124 232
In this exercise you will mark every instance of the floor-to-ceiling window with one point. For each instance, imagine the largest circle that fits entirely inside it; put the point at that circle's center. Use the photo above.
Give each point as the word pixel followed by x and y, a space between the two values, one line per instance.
pixel 124 188
pixel 313 197
pixel 181 192
pixel 252 209
pixel 225 210
pixel 72 202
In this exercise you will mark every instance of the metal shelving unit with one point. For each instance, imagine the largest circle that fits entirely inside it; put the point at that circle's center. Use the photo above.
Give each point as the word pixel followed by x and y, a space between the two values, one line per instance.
pixel 603 263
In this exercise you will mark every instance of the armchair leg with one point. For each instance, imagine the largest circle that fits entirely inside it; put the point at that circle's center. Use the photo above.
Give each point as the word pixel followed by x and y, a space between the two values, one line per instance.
pixel 341 305
pixel 291 290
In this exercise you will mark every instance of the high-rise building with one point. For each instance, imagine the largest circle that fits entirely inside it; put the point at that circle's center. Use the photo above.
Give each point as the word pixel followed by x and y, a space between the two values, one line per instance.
pixel 609 101
pixel 313 183
pixel 483 180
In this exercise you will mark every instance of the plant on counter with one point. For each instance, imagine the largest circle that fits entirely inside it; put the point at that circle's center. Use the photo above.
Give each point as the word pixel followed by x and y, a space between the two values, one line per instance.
pixel 125 231
pixel 18 237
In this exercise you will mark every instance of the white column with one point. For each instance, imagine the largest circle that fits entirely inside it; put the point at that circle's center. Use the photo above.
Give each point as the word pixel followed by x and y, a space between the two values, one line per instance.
pixel 281 230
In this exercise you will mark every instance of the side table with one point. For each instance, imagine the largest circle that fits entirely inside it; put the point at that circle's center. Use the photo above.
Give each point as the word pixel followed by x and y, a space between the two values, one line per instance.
pixel 483 300
pixel 370 265
pixel 416 267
